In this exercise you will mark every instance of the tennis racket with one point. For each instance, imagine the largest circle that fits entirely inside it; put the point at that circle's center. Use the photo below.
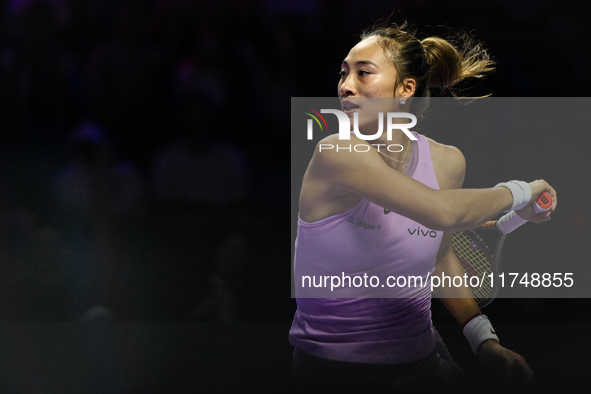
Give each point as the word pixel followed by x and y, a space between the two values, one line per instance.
pixel 479 259
pixel 479 252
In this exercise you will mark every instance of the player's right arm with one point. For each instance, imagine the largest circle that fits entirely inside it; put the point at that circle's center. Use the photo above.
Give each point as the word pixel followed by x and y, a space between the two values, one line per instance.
pixel 365 174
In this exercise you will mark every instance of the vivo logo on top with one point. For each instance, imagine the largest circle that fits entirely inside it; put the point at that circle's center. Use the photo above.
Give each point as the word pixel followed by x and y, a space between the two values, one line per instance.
pixel 345 124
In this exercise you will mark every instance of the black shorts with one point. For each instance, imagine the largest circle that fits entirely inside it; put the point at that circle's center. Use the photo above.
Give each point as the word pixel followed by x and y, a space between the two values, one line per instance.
pixel 431 374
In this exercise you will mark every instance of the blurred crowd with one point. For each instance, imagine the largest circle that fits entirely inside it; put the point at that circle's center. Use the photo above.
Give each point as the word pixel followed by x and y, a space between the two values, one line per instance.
pixel 137 161
pixel 144 146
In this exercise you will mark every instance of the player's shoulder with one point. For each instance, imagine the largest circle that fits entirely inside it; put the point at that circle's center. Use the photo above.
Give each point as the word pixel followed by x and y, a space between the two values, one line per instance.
pixel 448 153
pixel 449 164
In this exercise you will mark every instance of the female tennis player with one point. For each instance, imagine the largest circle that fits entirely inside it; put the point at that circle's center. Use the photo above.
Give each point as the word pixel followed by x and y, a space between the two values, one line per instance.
pixel 388 344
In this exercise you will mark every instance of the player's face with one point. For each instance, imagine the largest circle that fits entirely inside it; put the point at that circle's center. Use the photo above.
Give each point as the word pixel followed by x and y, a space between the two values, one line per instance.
pixel 366 74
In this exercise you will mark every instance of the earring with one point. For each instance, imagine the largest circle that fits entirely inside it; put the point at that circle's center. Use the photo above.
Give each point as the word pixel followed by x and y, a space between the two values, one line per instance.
pixel 402 101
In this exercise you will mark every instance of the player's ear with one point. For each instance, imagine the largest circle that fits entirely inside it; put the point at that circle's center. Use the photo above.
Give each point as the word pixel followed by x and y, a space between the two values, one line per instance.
pixel 406 88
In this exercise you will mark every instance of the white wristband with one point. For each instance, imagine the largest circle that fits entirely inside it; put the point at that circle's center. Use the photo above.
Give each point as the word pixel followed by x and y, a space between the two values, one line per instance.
pixel 478 330
pixel 521 192
pixel 509 222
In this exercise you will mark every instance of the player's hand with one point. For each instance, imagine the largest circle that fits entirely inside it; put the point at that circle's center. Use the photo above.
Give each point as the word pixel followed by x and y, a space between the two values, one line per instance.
pixel 506 364
pixel 538 187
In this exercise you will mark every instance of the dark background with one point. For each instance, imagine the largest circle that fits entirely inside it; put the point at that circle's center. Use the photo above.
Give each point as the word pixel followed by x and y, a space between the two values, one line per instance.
pixel 144 177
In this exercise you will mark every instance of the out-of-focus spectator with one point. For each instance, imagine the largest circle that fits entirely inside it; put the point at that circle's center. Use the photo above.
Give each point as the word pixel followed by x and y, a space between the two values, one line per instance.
pixel 201 71
pixel 198 167
pixel 93 183
pixel 94 193
pixel 227 284
pixel 200 186
pixel 33 282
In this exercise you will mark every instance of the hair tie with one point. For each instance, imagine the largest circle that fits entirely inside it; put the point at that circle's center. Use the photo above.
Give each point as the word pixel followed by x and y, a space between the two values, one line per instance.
pixel 424 57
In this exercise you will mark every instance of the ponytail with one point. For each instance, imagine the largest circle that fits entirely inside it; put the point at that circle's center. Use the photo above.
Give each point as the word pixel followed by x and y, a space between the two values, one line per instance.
pixel 433 62
pixel 449 64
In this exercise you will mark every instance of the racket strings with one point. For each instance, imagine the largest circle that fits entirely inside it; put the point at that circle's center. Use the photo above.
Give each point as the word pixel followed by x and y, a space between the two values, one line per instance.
pixel 476 262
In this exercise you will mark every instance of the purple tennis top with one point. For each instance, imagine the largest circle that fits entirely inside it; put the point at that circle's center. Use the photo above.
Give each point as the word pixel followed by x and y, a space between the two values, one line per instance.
pixel 355 325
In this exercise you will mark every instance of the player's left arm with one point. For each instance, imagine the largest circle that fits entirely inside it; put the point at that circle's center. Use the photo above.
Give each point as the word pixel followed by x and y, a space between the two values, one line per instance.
pixel 450 169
